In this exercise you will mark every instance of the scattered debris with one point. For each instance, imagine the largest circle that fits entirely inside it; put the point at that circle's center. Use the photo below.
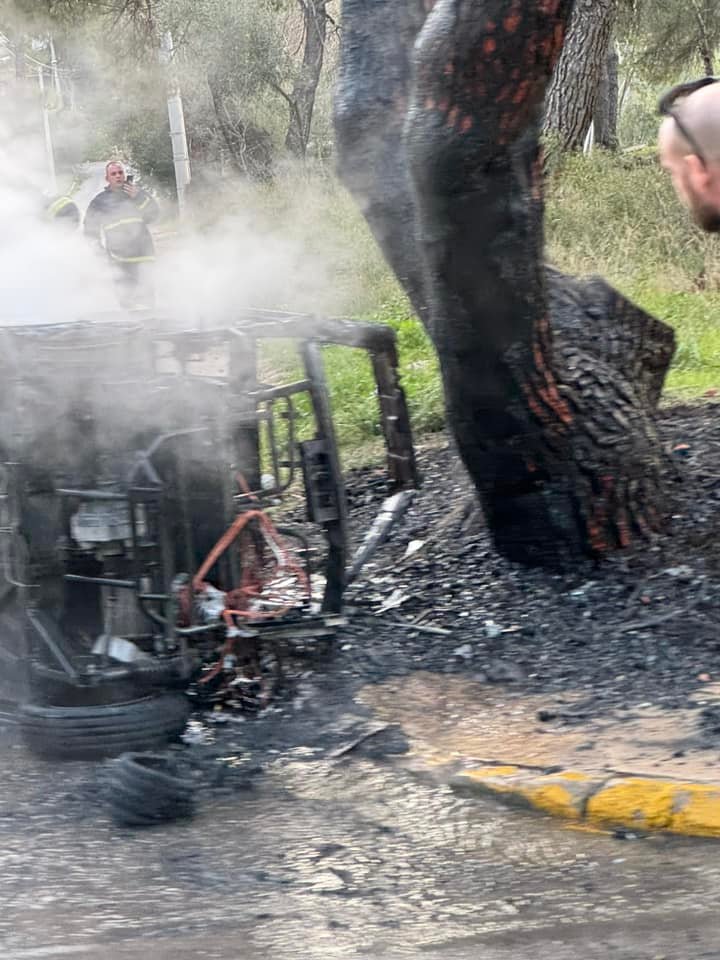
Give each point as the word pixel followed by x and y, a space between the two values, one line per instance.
pixel 682 572
pixel 464 652
pixel 349 747
pixel 413 547
pixel 396 599
pixel 681 450
pixel 457 583
pixel 377 743
pixel 504 671
pixel 146 789
pixel 151 533
pixel 420 627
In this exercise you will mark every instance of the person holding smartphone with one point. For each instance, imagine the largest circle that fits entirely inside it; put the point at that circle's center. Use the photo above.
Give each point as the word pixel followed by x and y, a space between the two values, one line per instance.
pixel 117 218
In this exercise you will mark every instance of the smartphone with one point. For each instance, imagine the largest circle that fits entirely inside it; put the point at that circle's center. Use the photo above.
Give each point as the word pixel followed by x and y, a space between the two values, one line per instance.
pixel 129 178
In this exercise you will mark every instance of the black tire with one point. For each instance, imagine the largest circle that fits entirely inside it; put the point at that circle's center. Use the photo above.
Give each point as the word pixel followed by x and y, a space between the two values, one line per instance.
pixel 153 770
pixel 103 730
pixel 145 789
pixel 53 687
pixel 133 808
pixel 148 799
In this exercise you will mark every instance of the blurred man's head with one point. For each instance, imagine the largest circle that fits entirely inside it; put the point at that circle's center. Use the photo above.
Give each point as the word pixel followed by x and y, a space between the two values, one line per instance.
pixel 690 152
pixel 115 174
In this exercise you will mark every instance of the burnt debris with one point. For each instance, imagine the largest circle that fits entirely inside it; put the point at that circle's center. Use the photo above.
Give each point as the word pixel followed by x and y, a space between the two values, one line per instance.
pixel 140 467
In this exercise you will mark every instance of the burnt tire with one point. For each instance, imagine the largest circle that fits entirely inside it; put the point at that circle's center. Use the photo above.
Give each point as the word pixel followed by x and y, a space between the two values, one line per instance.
pixel 103 730
pixel 155 771
pixel 53 687
pixel 146 789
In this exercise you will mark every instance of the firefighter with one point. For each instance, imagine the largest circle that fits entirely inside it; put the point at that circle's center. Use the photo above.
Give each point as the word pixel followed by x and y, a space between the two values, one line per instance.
pixel 118 219
pixel 64 210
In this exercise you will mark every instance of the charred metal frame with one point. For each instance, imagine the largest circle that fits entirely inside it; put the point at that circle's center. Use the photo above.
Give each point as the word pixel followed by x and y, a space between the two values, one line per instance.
pixel 244 410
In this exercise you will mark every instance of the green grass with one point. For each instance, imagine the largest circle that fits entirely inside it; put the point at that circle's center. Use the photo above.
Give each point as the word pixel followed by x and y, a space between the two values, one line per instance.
pixel 615 216
pixel 696 319
pixel 618 216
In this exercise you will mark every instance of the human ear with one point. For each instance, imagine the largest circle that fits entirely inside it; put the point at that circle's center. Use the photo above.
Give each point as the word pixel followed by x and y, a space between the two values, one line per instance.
pixel 697 173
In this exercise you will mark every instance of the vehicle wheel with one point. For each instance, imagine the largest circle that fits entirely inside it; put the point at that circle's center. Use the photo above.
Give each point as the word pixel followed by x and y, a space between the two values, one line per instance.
pixel 145 789
pixel 54 687
pixel 103 730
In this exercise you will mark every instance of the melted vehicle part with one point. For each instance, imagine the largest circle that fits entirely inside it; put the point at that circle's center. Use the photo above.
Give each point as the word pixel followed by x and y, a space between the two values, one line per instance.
pixel 142 468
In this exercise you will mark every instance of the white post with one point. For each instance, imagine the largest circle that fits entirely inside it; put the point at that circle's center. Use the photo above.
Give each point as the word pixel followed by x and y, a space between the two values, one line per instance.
pixel 56 75
pixel 176 116
pixel 48 133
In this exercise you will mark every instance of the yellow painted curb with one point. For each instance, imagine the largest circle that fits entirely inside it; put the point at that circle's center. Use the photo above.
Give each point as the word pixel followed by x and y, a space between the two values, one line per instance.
pixel 690 809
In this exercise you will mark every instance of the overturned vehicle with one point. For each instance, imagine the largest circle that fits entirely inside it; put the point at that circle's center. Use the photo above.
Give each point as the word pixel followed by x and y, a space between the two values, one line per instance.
pixel 143 468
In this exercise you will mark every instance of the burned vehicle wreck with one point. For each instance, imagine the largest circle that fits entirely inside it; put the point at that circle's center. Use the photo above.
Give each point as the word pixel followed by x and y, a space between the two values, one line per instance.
pixel 141 468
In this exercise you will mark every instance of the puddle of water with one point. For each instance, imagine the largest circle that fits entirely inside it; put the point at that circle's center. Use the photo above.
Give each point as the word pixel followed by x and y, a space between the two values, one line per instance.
pixel 450 718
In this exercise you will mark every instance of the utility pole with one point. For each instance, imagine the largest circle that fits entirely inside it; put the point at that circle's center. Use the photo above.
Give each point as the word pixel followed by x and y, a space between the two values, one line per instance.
pixel 56 75
pixel 176 116
pixel 19 48
pixel 49 152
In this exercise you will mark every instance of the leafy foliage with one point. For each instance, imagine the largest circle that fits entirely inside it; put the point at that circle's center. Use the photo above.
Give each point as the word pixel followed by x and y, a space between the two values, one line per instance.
pixel 670 36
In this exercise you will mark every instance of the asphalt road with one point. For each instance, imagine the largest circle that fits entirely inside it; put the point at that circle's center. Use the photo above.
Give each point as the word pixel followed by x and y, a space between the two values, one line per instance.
pixel 333 859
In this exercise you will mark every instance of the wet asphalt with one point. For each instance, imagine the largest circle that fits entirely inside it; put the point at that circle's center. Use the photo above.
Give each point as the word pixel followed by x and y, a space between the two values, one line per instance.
pixel 318 856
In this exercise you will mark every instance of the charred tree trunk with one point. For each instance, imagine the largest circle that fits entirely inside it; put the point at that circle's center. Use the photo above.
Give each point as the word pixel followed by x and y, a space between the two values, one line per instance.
pixel 306 84
pixel 371 103
pixel 550 383
pixel 572 94
pixel 606 107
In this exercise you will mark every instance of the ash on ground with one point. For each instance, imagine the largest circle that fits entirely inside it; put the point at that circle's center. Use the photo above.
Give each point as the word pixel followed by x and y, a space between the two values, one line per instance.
pixel 642 626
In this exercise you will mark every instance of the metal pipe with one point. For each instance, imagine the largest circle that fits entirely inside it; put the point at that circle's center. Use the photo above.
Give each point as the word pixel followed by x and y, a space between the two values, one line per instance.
pixel 271 393
pixel 54 647
pixel 101 581
pixel 90 494
pixel 180 631
pixel 390 513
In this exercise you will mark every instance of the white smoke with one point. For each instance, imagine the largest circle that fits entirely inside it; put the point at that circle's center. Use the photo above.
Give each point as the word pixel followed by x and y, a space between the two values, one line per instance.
pixel 253 256
pixel 47 272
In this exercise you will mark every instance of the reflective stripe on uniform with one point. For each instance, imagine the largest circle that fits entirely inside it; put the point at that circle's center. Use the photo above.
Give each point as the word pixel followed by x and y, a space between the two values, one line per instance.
pixel 58 205
pixel 148 259
pixel 145 202
pixel 120 223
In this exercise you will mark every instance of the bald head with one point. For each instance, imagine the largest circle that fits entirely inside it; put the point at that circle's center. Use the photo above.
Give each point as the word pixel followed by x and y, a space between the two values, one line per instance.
pixel 699 114
pixel 693 161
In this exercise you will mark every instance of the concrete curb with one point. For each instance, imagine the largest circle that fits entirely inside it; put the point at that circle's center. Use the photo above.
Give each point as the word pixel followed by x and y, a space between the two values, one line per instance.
pixel 636 803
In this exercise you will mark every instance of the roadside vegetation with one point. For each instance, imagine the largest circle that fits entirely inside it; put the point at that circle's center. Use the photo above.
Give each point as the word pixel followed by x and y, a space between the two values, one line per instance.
pixel 610 214
pixel 257 81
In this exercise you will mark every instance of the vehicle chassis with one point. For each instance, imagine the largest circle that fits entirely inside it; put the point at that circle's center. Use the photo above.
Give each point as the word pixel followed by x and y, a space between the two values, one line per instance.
pixel 124 440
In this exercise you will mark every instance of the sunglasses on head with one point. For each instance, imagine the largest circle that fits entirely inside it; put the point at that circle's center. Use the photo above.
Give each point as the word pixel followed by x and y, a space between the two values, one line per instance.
pixel 679 92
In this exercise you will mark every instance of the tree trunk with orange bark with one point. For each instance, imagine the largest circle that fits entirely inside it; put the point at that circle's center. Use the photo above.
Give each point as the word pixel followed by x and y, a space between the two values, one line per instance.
pixel 550 383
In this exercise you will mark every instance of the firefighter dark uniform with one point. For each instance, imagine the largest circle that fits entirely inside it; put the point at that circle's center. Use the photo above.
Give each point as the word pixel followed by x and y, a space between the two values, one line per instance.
pixel 64 210
pixel 120 224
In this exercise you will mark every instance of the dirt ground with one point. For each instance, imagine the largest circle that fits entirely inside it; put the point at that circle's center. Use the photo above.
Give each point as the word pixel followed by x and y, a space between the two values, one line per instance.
pixel 641 628
pixel 311 838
